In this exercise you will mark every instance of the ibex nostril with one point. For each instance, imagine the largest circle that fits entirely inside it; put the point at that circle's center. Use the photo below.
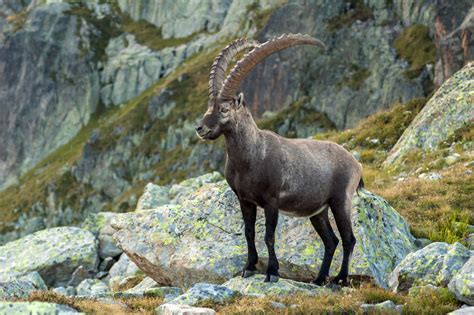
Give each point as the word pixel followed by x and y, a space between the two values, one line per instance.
pixel 198 128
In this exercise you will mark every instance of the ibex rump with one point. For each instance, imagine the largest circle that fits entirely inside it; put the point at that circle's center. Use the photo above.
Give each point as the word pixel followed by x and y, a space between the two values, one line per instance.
pixel 298 177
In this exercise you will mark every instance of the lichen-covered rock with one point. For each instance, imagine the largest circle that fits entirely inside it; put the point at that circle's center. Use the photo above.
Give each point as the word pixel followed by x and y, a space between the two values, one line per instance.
pixel 43 308
pixel 16 289
pixel 54 253
pixel 383 307
pixel 92 288
pixel 107 247
pixel 201 292
pixel 255 286
pixel 449 109
pixel 176 309
pixel 99 223
pixel 462 284
pixel 434 264
pixel 123 268
pixel 464 310
pixel 201 239
pixel 168 293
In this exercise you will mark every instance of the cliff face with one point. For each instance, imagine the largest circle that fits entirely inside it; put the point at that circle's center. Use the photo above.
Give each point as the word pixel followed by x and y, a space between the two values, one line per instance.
pixel 101 98
pixel 48 86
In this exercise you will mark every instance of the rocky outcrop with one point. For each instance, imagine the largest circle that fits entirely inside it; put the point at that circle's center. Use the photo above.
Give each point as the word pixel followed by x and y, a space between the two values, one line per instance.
pixel 346 84
pixel 462 284
pixel 448 110
pixel 55 254
pixel 201 239
pixel 435 264
pixel 46 73
pixel 177 309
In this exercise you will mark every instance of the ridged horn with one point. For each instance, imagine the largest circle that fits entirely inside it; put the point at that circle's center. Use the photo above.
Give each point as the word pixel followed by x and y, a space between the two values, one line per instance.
pixel 260 52
pixel 218 68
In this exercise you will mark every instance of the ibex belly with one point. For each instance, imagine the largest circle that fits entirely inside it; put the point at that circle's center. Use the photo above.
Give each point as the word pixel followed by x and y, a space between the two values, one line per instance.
pixel 303 214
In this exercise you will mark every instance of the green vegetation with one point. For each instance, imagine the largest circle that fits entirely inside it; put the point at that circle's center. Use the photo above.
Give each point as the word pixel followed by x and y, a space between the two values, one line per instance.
pixel 447 202
pixel 149 35
pixel 299 116
pixel 355 79
pixel 415 45
pixel 360 11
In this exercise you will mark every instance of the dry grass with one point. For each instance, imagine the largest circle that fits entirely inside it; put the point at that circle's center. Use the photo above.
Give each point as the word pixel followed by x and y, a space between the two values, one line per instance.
pixel 145 305
pixel 427 302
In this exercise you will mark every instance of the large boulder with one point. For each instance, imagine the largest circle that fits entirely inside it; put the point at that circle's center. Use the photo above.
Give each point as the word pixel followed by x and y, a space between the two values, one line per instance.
pixel 202 240
pixel 18 308
pixel 21 287
pixel 462 284
pixel 435 264
pixel 54 253
pixel 450 108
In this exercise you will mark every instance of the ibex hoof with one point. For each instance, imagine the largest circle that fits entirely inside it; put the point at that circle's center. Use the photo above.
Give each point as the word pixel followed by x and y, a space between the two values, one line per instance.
pixel 248 273
pixel 271 278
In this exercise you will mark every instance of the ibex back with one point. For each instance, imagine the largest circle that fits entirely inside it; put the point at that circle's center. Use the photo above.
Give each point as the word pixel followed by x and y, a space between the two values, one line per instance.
pixel 297 177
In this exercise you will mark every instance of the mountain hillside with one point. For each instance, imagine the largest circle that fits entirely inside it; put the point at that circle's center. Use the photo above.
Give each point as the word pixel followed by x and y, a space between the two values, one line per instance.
pixel 98 98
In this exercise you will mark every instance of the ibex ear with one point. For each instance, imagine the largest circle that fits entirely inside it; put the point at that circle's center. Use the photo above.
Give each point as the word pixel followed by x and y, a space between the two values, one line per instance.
pixel 239 102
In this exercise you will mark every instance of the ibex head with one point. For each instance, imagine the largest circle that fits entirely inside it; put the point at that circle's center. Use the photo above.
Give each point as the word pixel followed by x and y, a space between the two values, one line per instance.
pixel 225 108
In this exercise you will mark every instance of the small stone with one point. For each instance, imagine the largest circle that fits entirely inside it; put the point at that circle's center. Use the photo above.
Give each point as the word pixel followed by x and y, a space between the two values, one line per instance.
pixel 468 172
pixel 422 242
pixel 294 306
pixel 356 155
pixel 177 309
pixel 470 241
pixel 469 164
pixel 79 275
pixel 101 274
pixel 462 283
pixel 107 247
pixel 374 141
pixel 430 176
pixel 106 264
pixel 93 288
pixel 384 306
pixel 277 305
pixel 205 292
pixel 71 291
pixel 450 160
pixel 60 290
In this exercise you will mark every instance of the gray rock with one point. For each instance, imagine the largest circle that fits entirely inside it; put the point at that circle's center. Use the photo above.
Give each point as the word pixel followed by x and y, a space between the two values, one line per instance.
pixel 168 293
pixel 99 223
pixel 448 110
pixel 434 264
pixel 139 289
pixel 277 305
pixel 124 267
pixel 92 288
pixel 153 197
pixel 451 159
pixel 205 292
pixel 201 239
pixel 60 290
pixel 79 275
pixel 387 306
pixel 464 310
pixel 57 253
pixel 176 309
pixel 106 264
pixel 430 176
pixel 255 286
pixel 35 278
pixel 43 308
pixel 462 284
pixel 470 241
pixel 16 289
pixel 55 95
pixel 107 247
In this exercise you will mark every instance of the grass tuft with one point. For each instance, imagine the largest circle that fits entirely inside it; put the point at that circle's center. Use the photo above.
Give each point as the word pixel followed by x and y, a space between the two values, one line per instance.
pixel 415 45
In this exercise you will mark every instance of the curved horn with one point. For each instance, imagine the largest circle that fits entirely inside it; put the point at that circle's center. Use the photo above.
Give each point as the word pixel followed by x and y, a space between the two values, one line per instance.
pixel 218 68
pixel 251 59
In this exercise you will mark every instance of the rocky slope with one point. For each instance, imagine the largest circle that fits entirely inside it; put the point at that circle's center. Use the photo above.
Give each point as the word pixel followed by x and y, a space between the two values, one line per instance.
pixel 141 69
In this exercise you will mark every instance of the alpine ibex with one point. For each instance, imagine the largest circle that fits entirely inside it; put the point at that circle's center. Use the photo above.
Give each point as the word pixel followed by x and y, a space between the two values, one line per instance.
pixel 297 177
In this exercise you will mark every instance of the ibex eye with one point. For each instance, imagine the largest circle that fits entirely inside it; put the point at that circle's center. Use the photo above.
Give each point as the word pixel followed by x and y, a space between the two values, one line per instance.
pixel 224 110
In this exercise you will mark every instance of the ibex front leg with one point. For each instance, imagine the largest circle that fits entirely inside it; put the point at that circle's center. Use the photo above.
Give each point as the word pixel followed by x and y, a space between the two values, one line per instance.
pixel 249 213
pixel 271 220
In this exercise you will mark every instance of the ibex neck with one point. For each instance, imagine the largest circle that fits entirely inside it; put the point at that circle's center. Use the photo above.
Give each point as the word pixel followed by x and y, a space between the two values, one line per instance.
pixel 242 142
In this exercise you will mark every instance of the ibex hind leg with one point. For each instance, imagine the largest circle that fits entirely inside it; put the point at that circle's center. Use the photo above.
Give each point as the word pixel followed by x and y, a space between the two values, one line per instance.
pixel 341 209
pixel 322 225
